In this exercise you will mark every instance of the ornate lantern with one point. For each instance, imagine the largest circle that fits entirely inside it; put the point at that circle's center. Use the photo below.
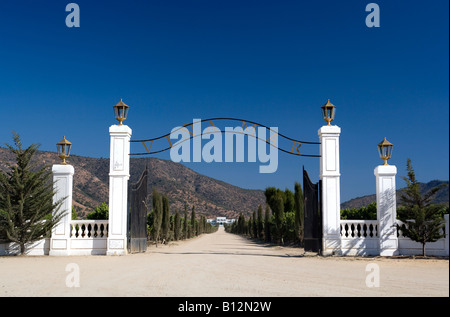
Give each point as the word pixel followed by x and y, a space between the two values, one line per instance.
pixel 121 111
pixel 63 148
pixel 385 150
pixel 328 112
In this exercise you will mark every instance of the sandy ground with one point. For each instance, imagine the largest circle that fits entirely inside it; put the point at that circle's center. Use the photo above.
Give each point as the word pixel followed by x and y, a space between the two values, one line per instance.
pixel 222 265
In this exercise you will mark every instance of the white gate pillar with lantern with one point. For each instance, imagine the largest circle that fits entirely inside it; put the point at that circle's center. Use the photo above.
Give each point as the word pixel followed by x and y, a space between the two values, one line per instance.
pixel 63 186
pixel 119 173
pixel 330 176
pixel 386 202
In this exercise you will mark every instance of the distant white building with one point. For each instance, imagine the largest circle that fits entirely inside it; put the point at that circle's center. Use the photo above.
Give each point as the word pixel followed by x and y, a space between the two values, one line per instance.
pixel 220 221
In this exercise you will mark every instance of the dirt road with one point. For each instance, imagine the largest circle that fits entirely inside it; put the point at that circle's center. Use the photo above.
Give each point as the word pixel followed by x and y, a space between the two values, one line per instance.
pixel 222 265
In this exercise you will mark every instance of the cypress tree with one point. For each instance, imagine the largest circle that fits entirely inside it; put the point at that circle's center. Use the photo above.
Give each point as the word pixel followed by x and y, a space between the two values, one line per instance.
pixel 193 222
pixel 27 210
pixel 157 215
pixel 299 211
pixel 241 224
pixel 165 223
pixel 267 235
pixel 177 226
pixel 278 212
pixel 254 226
pixel 260 225
pixel 185 223
pixel 289 200
pixel 424 220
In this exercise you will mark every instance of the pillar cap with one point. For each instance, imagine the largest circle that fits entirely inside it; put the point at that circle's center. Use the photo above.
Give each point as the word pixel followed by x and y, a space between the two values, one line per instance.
pixel 385 170
pixel 63 169
pixel 330 129
pixel 120 129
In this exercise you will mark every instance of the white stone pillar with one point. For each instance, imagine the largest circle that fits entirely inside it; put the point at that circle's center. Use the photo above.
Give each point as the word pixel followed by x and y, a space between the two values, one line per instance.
pixel 119 173
pixel 331 192
pixel 63 184
pixel 386 209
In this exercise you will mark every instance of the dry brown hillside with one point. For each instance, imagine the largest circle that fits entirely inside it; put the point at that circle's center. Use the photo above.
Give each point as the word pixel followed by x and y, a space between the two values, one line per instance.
pixel 182 185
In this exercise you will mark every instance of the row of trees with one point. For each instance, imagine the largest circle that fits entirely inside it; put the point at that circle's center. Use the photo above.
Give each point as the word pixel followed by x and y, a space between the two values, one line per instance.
pixel 283 218
pixel 28 213
pixel 368 212
pixel 282 221
pixel 162 226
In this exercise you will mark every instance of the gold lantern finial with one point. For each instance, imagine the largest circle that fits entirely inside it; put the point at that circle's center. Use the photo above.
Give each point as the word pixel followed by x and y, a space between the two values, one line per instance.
pixel 121 111
pixel 385 150
pixel 63 148
pixel 328 112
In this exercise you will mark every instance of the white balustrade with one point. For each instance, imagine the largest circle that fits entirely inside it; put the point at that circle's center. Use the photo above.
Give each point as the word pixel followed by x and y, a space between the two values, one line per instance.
pixel 89 229
pixel 359 229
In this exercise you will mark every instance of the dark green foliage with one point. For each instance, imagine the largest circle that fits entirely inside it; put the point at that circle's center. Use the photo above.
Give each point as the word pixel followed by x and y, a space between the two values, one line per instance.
pixel 254 226
pixel 423 221
pixel 411 195
pixel 165 221
pixel 27 210
pixel 166 227
pixel 299 208
pixel 368 212
pixel 278 217
pixel 260 224
pixel 193 222
pixel 177 227
pixel 157 215
pixel 100 213
pixel 267 225
pixel 185 223
pixel 288 200
pixel 74 213
pixel 283 225
pixel 289 233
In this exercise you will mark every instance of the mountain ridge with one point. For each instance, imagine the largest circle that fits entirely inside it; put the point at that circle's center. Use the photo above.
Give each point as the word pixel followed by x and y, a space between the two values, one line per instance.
pixel 182 185
pixel 441 197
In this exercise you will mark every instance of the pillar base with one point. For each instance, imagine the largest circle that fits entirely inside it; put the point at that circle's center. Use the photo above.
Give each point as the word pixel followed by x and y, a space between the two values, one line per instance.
pixel 117 246
pixel 331 246
pixel 389 246
pixel 63 186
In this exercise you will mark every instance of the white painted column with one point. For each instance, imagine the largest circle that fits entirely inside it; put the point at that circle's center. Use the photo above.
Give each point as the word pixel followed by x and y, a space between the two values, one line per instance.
pixel 119 173
pixel 386 209
pixel 331 192
pixel 63 185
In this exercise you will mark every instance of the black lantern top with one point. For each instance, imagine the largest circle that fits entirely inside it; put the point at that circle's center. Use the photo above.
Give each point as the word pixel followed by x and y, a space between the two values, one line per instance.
pixel 63 148
pixel 121 111
pixel 328 112
pixel 385 150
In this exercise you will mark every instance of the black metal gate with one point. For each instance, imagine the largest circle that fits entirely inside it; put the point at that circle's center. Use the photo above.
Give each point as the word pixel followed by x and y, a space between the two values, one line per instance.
pixel 137 215
pixel 312 215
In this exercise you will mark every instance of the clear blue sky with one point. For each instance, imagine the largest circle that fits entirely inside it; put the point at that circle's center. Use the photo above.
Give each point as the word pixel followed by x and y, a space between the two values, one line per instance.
pixel 273 62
